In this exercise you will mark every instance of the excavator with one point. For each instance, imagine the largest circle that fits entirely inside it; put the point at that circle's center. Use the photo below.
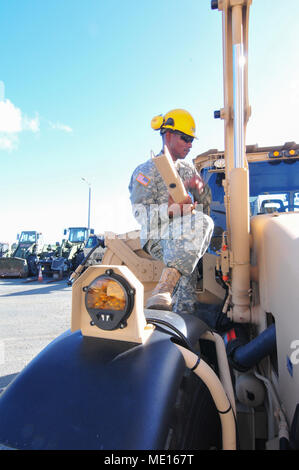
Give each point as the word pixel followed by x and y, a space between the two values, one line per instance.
pixel 129 378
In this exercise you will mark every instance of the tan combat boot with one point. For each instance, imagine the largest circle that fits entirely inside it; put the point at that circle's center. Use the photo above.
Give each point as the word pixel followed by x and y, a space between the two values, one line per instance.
pixel 160 298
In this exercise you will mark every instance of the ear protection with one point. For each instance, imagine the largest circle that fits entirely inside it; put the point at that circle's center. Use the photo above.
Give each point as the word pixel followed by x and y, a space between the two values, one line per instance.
pixel 175 120
pixel 157 122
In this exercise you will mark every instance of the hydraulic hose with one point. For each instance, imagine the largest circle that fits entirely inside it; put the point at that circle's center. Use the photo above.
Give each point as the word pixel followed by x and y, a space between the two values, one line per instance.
pixel 224 371
pixel 245 356
pixel 208 376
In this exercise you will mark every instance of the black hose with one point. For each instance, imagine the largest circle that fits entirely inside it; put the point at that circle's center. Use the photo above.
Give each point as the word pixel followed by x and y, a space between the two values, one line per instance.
pixel 182 337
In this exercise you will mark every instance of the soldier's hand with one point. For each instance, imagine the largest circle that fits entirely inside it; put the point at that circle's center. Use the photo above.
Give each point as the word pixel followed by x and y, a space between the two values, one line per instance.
pixel 178 209
pixel 195 185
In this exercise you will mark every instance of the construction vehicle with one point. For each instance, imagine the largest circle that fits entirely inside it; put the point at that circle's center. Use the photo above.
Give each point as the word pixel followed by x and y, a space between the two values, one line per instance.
pixel 4 249
pixel 129 378
pixel 59 260
pixel 92 254
pixel 48 254
pixel 23 260
pixel 97 254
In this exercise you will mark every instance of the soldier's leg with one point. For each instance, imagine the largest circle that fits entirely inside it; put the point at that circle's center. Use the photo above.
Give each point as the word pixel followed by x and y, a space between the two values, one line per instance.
pixel 161 297
pixel 180 252
pixel 189 238
pixel 185 298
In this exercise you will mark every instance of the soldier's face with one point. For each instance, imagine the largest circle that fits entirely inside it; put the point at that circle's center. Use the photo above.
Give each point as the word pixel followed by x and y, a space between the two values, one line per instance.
pixel 177 146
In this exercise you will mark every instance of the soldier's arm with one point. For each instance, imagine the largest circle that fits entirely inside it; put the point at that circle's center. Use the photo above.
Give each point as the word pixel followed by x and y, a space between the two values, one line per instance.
pixel 205 198
pixel 143 196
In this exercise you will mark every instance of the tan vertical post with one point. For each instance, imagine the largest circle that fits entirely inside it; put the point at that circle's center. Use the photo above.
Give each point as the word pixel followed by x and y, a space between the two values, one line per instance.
pixel 235 14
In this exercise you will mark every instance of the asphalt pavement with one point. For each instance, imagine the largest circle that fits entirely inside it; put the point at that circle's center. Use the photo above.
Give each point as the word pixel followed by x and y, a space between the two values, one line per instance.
pixel 32 314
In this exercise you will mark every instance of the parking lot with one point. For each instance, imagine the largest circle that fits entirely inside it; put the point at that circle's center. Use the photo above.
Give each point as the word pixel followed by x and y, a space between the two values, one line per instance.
pixel 31 315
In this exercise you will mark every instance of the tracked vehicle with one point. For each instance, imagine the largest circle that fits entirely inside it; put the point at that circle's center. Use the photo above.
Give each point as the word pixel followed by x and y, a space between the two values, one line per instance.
pixel 128 378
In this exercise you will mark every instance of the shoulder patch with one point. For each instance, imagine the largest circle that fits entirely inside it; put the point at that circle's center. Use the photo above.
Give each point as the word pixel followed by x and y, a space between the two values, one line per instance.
pixel 142 179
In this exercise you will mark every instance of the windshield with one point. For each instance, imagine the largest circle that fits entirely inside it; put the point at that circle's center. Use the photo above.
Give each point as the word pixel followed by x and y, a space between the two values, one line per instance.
pixel 77 235
pixel 266 203
pixel 273 187
pixel 28 237
pixel 91 242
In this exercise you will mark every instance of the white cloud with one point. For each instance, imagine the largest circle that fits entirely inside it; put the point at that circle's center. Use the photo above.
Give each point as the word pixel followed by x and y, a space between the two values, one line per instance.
pixel 8 142
pixel 61 127
pixel 12 123
pixel 10 118
pixel 31 124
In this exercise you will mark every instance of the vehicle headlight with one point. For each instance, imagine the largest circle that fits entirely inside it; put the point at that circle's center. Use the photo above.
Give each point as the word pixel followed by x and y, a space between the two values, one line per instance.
pixel 109 300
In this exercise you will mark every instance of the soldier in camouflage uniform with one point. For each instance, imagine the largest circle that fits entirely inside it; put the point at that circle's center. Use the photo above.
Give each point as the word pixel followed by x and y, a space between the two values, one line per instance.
pixel 178 235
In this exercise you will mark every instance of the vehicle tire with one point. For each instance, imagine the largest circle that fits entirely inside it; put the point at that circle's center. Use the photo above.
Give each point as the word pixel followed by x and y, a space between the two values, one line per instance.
pixel 78 259
pixel 32 265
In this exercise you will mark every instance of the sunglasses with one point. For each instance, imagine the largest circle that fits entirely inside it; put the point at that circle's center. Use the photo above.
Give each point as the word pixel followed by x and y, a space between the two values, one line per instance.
pixel 186 138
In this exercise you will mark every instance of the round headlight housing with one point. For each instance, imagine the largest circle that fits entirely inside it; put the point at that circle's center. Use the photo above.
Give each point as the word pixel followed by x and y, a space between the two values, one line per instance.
pixel 109 301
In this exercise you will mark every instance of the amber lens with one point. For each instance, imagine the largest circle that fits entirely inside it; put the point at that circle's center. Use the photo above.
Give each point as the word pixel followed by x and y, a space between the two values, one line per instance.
pixel 292 152
pixel 276 153
pixel 106 294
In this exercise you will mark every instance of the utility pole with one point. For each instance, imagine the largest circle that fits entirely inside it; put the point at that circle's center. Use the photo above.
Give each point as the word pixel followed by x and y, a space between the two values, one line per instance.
pixel 89 200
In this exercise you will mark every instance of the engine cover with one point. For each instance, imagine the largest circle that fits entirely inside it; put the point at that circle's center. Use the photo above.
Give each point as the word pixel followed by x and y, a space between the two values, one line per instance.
pixel 93 393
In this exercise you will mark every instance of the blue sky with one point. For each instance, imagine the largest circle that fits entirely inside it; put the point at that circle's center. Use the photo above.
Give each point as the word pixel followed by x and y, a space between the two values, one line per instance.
pixel 81 80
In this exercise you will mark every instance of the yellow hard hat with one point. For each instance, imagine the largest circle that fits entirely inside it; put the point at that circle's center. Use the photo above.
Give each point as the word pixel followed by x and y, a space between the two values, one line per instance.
pixel 175 120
